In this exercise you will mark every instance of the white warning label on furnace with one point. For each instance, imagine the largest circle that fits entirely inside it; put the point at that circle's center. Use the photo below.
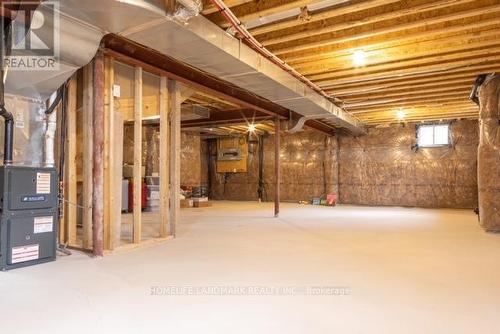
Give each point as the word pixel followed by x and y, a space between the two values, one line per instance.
pixel 43 224
pixel 25 253
pixel 43 183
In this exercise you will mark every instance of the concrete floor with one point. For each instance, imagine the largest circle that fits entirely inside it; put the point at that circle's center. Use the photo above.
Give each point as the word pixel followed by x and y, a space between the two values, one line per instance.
pixel 406 270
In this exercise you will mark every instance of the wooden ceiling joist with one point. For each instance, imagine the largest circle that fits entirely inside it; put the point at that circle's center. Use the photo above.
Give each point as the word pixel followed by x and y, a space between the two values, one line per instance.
pixel 319 44
pixel 354 19
pixel 489 39
pixel 420 56
pixel 256 9
pixel 431 105
pixel 412 72
pixel 468 72
pixel 404 86
pixel 208 8
pixel 453 32
pixel 334 11
pixel 430 64
pixel 461 87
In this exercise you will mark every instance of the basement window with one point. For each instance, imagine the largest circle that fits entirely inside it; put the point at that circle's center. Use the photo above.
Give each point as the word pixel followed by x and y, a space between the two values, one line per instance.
pixel 433 135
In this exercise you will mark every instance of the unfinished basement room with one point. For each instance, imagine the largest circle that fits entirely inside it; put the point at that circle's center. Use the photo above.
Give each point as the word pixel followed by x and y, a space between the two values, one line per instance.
pixel 250 166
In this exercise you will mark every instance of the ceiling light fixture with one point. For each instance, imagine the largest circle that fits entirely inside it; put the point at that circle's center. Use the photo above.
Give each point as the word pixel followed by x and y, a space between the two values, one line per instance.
pixel 359 58
pixel 251 127
pixel 401 114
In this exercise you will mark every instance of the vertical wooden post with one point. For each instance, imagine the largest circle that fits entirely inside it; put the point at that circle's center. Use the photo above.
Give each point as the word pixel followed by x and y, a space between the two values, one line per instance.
pixel 277 166
pixel 58 151
pixel 98 169
pixel 70 165
pixel 174 106
pixel 137 154
pixel 109 154
pixel 117 171
pixel 87 158
pixel 164 159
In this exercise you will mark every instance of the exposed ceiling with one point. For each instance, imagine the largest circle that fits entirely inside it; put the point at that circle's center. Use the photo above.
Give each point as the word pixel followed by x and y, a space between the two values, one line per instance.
pixel 416 59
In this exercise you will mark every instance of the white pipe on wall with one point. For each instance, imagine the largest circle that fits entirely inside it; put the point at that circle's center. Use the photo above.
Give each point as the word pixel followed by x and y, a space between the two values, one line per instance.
pixel 50 132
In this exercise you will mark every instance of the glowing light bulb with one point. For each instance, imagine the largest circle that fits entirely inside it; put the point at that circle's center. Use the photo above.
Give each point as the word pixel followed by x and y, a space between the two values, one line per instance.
pixel 251 127
pixel 401 114
pixel 359 58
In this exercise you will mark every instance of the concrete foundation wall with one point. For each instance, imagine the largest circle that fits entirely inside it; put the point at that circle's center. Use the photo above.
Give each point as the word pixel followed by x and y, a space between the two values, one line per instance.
pixel 191 162
pixel 308 164
pixel 380 168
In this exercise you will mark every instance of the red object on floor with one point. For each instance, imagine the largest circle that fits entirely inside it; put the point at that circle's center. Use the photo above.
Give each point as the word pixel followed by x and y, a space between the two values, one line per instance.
pixel 331 200
pixel 144 195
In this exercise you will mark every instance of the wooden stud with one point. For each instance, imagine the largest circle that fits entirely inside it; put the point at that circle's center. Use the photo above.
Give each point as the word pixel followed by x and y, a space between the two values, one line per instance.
pixel 70 187
pixel 174 110
pixel 87 158
pixel 110 192
pixel 164 158
pixel 137 155
pixel 98 166
pixel 117 171
pixel 277 166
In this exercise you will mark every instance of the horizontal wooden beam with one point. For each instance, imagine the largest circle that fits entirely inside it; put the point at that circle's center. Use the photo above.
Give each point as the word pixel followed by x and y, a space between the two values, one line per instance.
pixel 437 81
pixel 355 19
pixel 469 71
pixel 425 105
pixel 409 98
pixel 427 63
pixel 227 117
pixel 423 70
pixel 209 8
pixel 397 55
pixel 430 102
pixel 356 34
pixel 253 10
pixel 412 91
pixel 337 10
pixel 152 61
pixel 446 31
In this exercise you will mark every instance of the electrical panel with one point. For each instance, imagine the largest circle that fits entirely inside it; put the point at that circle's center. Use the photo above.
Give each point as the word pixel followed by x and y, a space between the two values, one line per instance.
pixel 28 215
pixel 232 155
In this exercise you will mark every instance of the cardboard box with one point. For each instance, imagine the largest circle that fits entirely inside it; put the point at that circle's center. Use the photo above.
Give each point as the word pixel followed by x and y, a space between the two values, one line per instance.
pixel 186 203
pixel 202 204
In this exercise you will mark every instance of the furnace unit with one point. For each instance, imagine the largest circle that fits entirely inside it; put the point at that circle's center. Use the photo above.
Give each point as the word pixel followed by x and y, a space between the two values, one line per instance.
pixel 28 197
pixel 29 215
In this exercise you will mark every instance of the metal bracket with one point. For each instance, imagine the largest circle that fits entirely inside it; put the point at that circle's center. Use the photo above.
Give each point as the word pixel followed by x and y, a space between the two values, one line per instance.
pixel 301 122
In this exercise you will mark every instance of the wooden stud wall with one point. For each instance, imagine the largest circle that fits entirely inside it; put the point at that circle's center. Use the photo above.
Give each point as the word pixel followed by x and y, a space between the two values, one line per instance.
pixel 174 110
pixel 137 155
pixel 70 180
pixel 87 156
pixel 164 158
